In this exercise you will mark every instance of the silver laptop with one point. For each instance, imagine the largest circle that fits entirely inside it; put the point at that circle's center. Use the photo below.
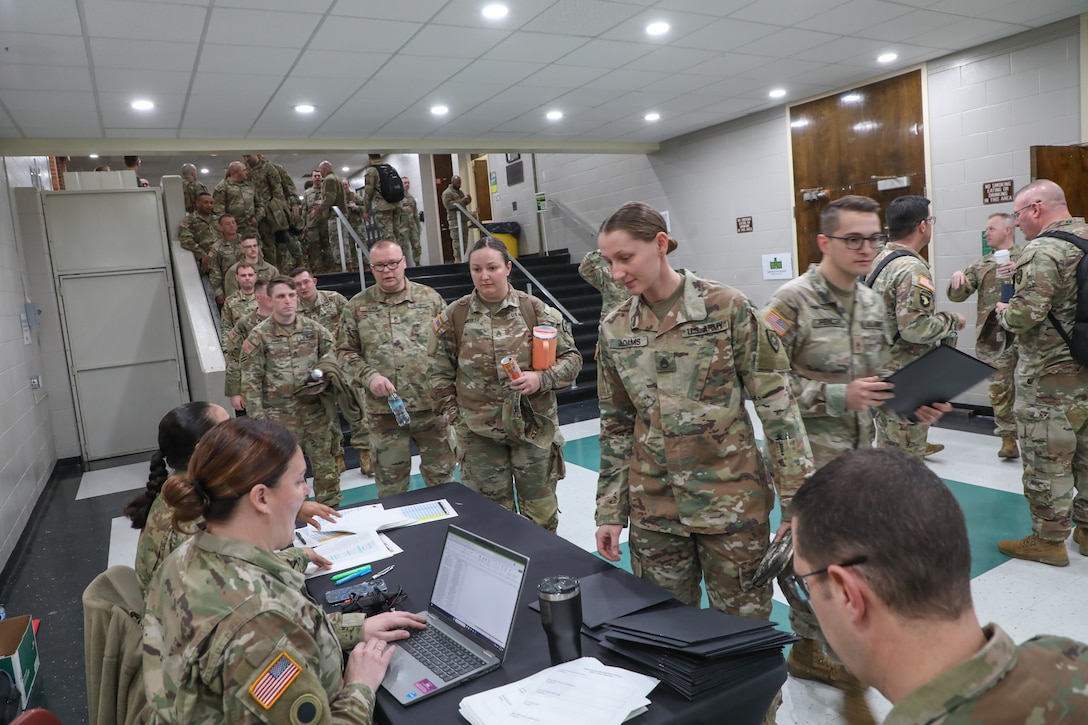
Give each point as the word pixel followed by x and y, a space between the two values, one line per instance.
pixel 469 620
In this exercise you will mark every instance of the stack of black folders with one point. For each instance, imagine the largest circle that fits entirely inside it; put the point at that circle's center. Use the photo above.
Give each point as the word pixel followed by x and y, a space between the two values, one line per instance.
pixel 695 651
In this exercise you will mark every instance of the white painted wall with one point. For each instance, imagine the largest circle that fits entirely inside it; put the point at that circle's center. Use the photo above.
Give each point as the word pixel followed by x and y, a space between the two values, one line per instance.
pixel 27 450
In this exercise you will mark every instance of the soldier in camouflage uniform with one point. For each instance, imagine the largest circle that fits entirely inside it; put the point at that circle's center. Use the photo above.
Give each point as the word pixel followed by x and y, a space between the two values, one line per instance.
pixel 906 287
pixel 236 195
pixel 383 342
pixel 1052 392
pixel 320 258
pixel 897 607
pixel 242 302
pixel 408 234
pixel 511 449
pixel 191 188
pixel 225 253
pixel 386 213
pixel 679 459
pixel 275 361
pixel 451 196
pixel 982 277
pixel 198 232
pixel 832 327
pixel 596 272
pixel 234 337
pixel 324 218
pixel 251 254
pixel 277 244
pixel 230 633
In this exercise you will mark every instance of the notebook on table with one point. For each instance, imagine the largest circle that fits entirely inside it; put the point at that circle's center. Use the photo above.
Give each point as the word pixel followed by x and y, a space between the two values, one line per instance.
pixel 470 619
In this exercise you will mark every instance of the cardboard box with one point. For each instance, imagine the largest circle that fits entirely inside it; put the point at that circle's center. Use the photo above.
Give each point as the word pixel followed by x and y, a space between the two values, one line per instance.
pixel 19 653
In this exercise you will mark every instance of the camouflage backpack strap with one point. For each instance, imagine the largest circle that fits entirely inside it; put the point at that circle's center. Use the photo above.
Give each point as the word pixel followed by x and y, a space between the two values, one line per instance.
pixel 871 279
pixel 528 312
pixel 458 315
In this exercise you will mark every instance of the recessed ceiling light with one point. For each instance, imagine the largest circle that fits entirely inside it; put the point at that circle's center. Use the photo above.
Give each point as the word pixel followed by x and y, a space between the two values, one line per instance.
pixel 204 171
pixel 652 116
pixel 142 105
pixel 440 110
pixel 886 57
pixel 304 108
pixel 93 156
pixel 658 28
pixel 345 169
pixel 777 93
pixel 495 11
pixel 554 115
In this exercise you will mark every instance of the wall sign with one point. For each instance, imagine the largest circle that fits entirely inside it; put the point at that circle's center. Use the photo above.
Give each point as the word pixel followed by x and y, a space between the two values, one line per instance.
pixel 777 266
pixel 997 192
pixel 744 224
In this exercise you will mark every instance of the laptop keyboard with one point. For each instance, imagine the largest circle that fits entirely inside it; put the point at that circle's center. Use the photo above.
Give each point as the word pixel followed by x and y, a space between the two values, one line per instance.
pixel 445 657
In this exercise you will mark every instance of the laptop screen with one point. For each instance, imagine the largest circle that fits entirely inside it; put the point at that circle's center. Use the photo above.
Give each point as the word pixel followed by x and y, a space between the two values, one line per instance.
pixel 478 586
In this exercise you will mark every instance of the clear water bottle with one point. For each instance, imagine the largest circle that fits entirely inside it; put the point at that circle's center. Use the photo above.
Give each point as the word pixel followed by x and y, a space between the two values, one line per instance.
pixel 399 411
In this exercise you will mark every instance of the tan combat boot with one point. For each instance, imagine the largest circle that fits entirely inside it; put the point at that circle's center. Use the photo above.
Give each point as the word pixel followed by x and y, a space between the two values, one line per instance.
pixel 1008 448
pixel 1032 548
pixel 933 448
pixel 366 462
pixel 1080 537
pixel 340 466
pixel 808 661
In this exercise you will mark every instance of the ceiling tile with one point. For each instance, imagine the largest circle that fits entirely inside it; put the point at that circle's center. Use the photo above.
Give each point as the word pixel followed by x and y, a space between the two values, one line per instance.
pixel 143 54
pixel 966 32
pixel 447 41
pixel 728 64
pixel 681 83
pixel 968 7
pixel 725 35
pixel 717 8
pixel 606 54
pixel 53 126
pixel 327 94
pixel 467 13
pixel 582 17
pixel 48 17
pixel 141 133
pixel 50 101
pixel 539 47
pixel 586 97
pixel 417 73
pixel 419 11
pixel 627 80
pixel 261 27
pixel 908 26
pixel 671 60
pixel 855 15
pixel 35 49
pixel 203 110
pixel 44 77
pixel 1034 15
pixel 634 29
pixel 843 48
pixel 268 61
pixel 782 12
pixel 235 84
pixel 732 86
pixel 565 76
pixel 777 72
pixel 791 38
pixel 496 71
pixel 375 36
pixel 144 21
pixel 459 96
pixel 142 82
pixel 309 6
pixel 116 112
pixel 337 64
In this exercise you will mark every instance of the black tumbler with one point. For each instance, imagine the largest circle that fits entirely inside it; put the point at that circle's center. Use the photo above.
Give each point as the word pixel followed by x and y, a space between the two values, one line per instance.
pixel 561 615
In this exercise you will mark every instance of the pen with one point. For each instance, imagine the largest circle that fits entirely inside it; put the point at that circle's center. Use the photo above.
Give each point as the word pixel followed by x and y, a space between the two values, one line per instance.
pixel 365 569
pixel 356 575
pixel 299 537
pixel 384 571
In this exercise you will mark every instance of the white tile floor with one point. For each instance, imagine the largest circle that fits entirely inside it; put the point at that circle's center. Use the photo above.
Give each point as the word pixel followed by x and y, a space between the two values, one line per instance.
pixel 1025 598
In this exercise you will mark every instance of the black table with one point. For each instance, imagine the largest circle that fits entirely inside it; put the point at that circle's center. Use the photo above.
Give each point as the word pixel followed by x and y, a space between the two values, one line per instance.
pixel 549 555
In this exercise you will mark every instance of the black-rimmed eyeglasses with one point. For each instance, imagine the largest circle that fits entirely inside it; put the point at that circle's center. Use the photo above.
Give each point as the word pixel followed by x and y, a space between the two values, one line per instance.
pixel 1016 213
pixel 379 267
pixel 854 242
pixel 798 587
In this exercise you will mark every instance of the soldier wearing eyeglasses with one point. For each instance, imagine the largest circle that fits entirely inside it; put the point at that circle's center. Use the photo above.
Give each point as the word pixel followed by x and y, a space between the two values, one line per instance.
pixel 383 341
pixel 882 557
pixel 833 328
pixel 906 286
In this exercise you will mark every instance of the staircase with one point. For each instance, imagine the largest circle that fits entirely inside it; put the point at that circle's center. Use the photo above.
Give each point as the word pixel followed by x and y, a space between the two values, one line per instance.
pixel 555 270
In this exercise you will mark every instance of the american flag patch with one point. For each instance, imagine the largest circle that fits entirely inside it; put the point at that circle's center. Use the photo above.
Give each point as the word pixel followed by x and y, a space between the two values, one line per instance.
pixel 926 282
pixel 276 678
pixel 248 347
pixel 777 322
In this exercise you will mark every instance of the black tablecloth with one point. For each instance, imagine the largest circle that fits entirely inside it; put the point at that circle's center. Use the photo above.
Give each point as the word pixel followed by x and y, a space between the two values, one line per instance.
pixel 548 555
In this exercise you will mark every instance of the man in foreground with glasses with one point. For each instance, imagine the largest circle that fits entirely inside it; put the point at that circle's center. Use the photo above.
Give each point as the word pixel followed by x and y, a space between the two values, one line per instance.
pixel 882 557
pixel 832 326
pixel 985 276
pixel 906 286
pixel 383 342
pixel 1052 394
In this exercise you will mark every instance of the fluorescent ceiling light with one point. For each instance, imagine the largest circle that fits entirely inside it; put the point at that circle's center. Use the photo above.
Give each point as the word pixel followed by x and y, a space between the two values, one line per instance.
pixel 777 93
pixel 886 57
pixel 652 116
pixel 142 105
pixel 554 115
pixel 658 28
pixel 496 11
pixel 305 108
pixel 440 110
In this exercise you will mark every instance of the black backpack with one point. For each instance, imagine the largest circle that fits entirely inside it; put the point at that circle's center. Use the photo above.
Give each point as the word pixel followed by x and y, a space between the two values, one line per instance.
pixel 390 185
pixel 1078 340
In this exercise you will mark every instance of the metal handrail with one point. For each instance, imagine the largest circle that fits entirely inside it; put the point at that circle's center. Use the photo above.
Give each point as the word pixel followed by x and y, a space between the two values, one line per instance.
pixel 360 247
pixel 573 216
pixel 529 275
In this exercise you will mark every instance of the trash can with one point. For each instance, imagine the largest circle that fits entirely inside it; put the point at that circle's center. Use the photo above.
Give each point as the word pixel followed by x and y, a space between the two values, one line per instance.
pixel 507 232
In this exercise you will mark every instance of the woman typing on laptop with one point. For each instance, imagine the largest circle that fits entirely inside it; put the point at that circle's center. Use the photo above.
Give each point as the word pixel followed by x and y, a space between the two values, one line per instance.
pixel 230 634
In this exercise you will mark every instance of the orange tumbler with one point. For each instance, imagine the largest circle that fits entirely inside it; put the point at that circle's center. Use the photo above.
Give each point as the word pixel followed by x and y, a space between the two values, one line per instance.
pixel 544 339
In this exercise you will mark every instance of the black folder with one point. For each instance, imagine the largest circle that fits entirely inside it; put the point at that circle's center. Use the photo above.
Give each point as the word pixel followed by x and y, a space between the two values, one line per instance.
pixel 938 376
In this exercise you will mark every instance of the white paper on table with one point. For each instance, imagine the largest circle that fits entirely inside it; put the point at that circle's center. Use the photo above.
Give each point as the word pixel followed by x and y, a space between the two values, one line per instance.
pixel 423 513
pixel 580 691
pixel 352 521
pixel 348 552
